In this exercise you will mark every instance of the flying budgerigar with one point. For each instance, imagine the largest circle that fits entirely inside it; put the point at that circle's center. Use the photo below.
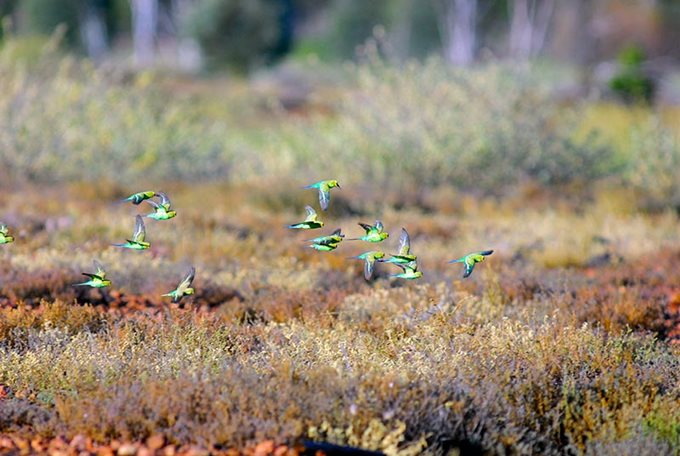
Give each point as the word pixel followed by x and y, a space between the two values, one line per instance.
pixel 311 222
pixel 97 279
pixel 5 238
pixel 470 260
pixel 409 271
pixel 369 259
pixel 162 210
pixel 327 243
pixel 404 256
pixel 374 233
pixel 334 238
pixel 184 288
pixel 137 242
pixel 324 188
pixel 137 198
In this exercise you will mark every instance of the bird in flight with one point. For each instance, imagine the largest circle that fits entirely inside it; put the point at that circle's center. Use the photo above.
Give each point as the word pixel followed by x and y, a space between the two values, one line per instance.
pixel 97 279
pixel 184 287
pixel 409 271
pixel 369 259
pixel 327 243
pixel 374 233
pixel 470 260
pixel 5 238
pixel 311 222
pixel 137 198
pixel 324 188
pixel 137 242
pixel 162 210
pixel 404 255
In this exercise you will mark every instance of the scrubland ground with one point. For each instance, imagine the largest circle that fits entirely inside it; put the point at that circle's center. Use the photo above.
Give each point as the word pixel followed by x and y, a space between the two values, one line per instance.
pixel 562 342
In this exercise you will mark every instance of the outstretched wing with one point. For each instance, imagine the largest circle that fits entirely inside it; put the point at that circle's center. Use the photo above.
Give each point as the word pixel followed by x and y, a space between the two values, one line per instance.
pixel 368 267
pixel 165 201
pixel 366 227
pixel 410 266
pixel 324 196
pixel 99 268
pixel 486 252
pixel 3 229
pixel 186 283
pixel 469 266
pixel 338 232
pixel 379 226
pixel 140 231
pixel 404 242
pixel 311 214
pixel 153 203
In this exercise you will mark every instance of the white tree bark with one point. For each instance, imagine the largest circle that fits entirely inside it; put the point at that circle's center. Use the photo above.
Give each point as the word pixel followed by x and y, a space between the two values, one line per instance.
pixel 529 24
pixel 93 33
pixel 144 25
pixel 458 29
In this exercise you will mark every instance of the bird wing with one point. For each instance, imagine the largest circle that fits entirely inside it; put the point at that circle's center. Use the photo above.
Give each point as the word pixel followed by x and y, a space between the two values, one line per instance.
pixel 368 267
pixel 338 232
pixel 404 242
pixel 412 266
pixel 366 227
pixel 324 196
pixel 165 201
pixel 153 203
pixel 140 231
pixel 99 268
pixel 469 266
pixel 311 214
pixel 186 283
pixel 486 252
pixel 3 229
pixel 379 226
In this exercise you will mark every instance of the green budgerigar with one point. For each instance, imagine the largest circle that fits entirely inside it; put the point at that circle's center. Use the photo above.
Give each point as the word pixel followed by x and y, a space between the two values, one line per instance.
pixel 404 256
pixel 137 198
pixel 327 243
pixel 334 238
pixel 409 271
pixel 374 233
pixel 184 288
pixel 311 222
pixel 138 237
pixel 470 260
pixel 324 188
pixel 162 210
pixel 369 259
pixel 97 279
pixel 5 238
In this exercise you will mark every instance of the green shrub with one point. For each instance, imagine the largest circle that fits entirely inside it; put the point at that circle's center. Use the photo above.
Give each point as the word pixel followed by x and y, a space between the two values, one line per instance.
pixel 240 33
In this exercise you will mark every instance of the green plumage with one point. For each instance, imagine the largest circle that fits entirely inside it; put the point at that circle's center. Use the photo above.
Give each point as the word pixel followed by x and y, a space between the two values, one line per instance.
pixel 310 223
pixel 97 279
pixel 5 238
pixel 369 259
pixel 409 271
pixel 138 237
pixel 184 287
pixel 404 255
pixel 470 260
pixel 162 210
pixel 324 188
pixel 374 233
pixel 137 198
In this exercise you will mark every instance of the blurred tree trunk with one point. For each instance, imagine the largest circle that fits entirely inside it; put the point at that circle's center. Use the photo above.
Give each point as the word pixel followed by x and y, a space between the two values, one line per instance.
pixel 144 24
pixel 529 23
pixel 93 31
pixel 457 22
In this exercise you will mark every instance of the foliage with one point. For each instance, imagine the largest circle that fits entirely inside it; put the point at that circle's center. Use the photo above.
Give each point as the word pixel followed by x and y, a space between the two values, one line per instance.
pixel 631 82
pixel 240 33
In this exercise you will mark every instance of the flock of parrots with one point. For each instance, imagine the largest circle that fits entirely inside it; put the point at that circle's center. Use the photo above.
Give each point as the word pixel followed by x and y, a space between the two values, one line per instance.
pixel 375 233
